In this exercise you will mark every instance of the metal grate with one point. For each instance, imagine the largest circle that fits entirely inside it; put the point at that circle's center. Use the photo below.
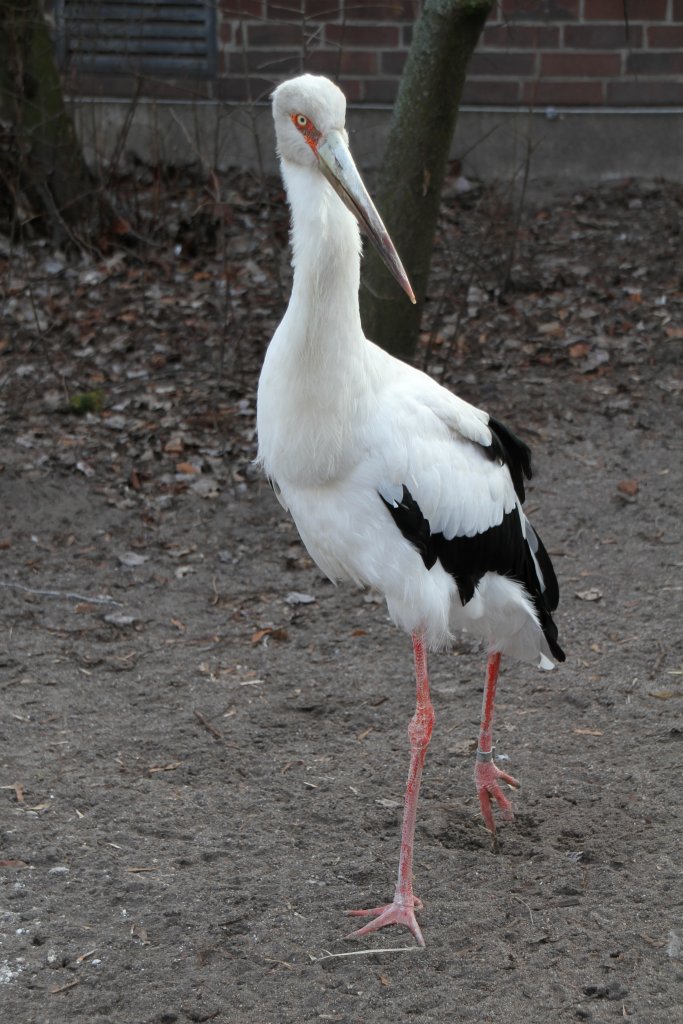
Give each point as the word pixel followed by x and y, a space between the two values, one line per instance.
pixel 153 36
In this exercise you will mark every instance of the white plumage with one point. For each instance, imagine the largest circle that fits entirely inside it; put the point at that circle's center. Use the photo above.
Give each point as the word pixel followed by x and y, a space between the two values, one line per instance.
pixel 346 431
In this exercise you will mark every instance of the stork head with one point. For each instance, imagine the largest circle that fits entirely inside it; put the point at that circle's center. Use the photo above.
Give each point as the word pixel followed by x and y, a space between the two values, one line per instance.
pixel 310 114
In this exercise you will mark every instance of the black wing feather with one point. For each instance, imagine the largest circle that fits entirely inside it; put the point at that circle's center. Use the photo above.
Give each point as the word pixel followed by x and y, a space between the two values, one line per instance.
pixel 502 549
pixel 512 452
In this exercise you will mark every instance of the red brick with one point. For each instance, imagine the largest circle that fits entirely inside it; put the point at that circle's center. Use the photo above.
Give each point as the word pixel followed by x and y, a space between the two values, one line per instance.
pixel 303 10
pixel 667 36
pixel 572 94
pixel 362 35
pixel 345 62
pixel 581 65
pixel 495 63
pixel 389 10
pixel 394 62
pixel 322 10
pixel 659 63
pixel 613 10
pixel 380 90
pixel 352 89
pixel 602 37
pixel 540 10
pixel 359 62
pixel 324 62
pixel 243 8
pixel 678 11
pixel 520 37
pixel 270 62
pixel 284 10
pixel 270 34
pixel 644 93
pixel 493 92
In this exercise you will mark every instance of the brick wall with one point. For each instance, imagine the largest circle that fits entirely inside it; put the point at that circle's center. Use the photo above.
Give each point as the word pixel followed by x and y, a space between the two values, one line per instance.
pixel 533 52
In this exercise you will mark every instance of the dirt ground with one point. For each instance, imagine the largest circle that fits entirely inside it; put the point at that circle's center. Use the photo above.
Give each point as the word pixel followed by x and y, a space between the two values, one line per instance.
pixel 204 742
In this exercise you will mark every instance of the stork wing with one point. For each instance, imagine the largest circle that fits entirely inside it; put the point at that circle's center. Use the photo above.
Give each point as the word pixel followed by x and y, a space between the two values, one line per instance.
pixel 442 450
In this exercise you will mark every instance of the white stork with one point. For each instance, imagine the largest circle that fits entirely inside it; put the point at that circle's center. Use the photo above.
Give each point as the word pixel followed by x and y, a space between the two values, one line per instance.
pixel 392 481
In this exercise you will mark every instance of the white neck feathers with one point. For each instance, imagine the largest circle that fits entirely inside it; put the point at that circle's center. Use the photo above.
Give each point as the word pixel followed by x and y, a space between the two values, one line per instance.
pixel 315 385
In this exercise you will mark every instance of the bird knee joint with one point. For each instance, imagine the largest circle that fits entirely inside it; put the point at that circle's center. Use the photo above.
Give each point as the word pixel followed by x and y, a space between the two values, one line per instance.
pixel 420 728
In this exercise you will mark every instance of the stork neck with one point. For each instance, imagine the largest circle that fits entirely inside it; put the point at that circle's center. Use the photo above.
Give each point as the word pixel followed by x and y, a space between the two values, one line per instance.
pixel 316 384
pixel 326 260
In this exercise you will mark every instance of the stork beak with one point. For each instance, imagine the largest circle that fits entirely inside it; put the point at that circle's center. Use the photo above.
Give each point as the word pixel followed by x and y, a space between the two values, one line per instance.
pixel 336 163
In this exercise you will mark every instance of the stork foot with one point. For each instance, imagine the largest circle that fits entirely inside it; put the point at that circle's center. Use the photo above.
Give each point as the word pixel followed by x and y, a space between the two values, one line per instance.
pixel 487 777
pixel 391 913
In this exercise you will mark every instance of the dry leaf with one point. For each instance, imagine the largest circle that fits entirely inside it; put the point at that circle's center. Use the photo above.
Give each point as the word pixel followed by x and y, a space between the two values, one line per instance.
pixel 258 636
pixel 589 595
pixel 629 487
pixel 589 732
pixel 138 932
pixel 174 446
pixel 84 956
pixel 295 597
pixel 552 329
pixel 131 559
pixel 120 619
pixel 276 634
pixel 63 988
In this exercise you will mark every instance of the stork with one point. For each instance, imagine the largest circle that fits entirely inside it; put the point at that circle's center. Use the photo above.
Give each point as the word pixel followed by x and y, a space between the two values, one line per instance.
pixel 392 481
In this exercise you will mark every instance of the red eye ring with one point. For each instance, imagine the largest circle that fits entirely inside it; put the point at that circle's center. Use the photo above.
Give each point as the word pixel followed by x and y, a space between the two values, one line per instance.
pixel 307 129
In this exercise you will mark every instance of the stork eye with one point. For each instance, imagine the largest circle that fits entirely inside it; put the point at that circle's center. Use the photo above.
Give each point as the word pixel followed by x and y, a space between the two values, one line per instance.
pixel 310 133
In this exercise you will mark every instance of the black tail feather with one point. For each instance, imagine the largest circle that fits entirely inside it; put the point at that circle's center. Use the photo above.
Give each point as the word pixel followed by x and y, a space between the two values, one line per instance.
pixel 511 451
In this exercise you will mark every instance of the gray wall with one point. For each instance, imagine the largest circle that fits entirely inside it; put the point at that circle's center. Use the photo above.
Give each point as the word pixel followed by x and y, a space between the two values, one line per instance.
pixel 570 147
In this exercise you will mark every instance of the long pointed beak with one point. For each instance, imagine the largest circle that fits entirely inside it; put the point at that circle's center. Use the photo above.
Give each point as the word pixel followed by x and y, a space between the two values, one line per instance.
pixel 336 163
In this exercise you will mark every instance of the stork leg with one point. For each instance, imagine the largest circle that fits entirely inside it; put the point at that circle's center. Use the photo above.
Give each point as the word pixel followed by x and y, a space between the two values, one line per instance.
pixel 402 909
pixel 486 774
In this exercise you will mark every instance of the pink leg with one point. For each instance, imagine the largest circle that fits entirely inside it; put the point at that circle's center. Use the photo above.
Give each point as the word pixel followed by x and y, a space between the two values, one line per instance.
pixel 402 909
pixel 486 774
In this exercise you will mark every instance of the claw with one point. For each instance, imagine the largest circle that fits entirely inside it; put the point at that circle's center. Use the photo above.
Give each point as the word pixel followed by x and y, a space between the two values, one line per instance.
pixel 391 913
pixel 486 777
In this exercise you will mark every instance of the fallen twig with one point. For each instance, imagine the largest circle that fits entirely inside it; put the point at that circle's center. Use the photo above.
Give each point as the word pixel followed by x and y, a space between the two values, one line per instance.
pixel 368 952
pixel 63 988
pixel 67 594
pixel 207 725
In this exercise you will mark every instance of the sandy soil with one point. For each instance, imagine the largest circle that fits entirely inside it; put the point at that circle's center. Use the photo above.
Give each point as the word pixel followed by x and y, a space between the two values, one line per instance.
pixel 204 743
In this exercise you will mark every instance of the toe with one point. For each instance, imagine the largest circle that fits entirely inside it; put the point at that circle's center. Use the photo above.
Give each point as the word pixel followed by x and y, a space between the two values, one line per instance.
pixel 392 914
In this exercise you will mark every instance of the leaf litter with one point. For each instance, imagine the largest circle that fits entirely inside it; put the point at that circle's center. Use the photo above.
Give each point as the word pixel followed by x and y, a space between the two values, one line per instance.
pixel 128 383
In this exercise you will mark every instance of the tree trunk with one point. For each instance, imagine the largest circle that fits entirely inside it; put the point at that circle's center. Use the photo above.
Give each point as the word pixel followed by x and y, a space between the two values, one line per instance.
pixel 414 165
pixel 46 185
